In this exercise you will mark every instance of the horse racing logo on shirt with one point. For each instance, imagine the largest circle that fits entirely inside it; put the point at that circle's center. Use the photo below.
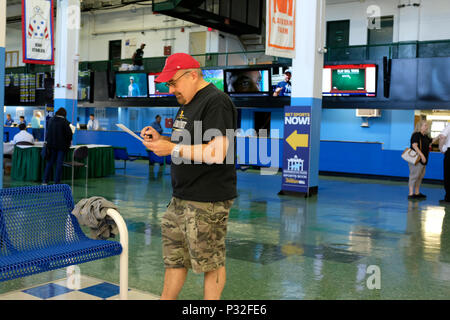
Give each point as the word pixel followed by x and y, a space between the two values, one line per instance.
pixel 37 31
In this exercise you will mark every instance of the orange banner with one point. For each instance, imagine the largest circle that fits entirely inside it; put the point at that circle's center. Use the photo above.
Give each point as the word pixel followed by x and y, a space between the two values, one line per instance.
pixel 280 17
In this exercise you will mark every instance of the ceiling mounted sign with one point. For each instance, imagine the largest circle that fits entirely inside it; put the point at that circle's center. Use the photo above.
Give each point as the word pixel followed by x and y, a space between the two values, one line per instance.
pixel 37 31
pixel 280 40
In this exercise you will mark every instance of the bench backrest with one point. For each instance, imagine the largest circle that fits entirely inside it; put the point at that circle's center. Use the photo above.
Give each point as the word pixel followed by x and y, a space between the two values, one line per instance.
pixel 37 217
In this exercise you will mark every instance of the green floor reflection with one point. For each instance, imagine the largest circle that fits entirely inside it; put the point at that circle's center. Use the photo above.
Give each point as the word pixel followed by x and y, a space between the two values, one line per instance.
pixel 282 247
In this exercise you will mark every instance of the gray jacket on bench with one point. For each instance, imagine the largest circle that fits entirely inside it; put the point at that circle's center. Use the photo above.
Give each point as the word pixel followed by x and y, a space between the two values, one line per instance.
pixel 91 212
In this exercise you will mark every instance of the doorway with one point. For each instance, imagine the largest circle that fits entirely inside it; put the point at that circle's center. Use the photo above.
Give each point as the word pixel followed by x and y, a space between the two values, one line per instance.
pixel 115 53
pixel 383 35
pixel 338 33
pixel 197 45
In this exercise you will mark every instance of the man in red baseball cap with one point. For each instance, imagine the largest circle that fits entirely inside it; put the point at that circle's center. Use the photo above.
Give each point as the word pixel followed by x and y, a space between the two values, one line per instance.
pixel 194 226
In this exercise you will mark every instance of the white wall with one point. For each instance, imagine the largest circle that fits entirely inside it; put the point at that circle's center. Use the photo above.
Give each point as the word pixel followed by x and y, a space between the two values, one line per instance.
pixel 231 43
pixel 94 46
pixel 430 21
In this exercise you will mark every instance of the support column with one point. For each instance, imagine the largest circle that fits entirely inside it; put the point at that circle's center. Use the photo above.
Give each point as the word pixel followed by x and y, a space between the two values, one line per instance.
pixel 2 77
pixel 66 58
pixel 306 92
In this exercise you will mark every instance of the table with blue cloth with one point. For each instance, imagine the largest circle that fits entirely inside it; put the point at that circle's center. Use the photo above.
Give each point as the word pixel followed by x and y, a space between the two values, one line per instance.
pixel 28 165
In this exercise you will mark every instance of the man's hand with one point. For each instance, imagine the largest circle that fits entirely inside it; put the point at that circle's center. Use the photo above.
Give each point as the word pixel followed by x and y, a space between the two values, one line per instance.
pixel 150 134
pixel 160 147
pixel 277 92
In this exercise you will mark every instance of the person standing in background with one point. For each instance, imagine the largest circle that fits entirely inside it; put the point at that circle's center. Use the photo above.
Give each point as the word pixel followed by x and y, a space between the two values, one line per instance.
pixel 36 125
pixel 22 120
pixel 92 123
pixel 58 138
pixel 138 58
pixel 444 144
pixel 420 142
pixel 9 121
pixel 157 124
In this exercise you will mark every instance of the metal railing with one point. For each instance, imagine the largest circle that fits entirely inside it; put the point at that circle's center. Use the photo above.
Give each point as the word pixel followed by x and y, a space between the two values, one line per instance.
pixel 397 50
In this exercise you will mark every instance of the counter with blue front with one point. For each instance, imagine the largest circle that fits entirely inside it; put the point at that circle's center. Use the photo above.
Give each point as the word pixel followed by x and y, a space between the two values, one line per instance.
pixel 10 132
pixel 362 158
pixel 28 165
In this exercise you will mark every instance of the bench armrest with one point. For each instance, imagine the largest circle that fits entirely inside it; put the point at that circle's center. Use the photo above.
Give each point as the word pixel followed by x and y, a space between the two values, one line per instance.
pixel 123 234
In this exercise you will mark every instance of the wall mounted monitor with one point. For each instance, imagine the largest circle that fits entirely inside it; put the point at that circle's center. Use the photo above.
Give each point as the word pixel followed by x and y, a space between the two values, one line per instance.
pixel 27 87
pixel 131 85
pixel 84 85
pixel 247 82
pixel 350 80
pixel 157 89
pixel 215 76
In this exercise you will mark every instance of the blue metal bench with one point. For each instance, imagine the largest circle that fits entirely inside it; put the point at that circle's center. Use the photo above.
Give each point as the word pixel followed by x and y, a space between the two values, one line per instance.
pixel 38 233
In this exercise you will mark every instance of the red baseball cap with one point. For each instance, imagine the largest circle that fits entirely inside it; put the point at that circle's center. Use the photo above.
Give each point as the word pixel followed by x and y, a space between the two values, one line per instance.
pixel 177 61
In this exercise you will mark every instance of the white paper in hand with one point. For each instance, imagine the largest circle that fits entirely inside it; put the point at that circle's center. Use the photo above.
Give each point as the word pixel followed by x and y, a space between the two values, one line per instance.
pixel 121 126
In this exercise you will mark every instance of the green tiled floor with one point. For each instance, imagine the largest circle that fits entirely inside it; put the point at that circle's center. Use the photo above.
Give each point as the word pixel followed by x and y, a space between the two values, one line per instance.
pixel 282 247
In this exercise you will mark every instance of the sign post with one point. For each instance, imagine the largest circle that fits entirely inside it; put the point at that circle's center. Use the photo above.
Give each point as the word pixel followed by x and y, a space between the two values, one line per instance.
pixel 296 151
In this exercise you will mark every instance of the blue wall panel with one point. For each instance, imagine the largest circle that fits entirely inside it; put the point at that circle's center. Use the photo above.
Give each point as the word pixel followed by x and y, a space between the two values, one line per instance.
pixel 114 138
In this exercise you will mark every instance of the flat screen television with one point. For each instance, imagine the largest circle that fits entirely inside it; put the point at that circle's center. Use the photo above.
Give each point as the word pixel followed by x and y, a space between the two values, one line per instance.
pixel 350 80
pixel 247 82
pixel 131 85
pixel 157 89
pixel 84 85
pixel 215 76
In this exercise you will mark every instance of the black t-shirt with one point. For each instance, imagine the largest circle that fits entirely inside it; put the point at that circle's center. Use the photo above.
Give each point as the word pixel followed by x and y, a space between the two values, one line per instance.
pixel 138 57
pixel 423 143
pixel 205 182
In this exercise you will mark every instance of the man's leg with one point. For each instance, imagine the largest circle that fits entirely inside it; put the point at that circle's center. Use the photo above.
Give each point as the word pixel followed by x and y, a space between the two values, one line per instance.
pixel 174 279
pixel 214 284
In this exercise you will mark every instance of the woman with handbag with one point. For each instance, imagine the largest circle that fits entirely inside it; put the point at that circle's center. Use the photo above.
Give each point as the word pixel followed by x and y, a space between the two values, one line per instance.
pixel 58 140
pixel 420 142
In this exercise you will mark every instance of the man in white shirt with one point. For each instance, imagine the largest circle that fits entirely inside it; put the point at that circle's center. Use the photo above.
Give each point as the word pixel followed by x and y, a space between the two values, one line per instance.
pixel 444 144
pixel 92 123
pixel 133 88
pixel 23 135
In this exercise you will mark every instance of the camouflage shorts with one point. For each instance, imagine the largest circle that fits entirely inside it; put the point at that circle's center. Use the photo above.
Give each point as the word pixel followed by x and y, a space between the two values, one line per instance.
pixel 193 234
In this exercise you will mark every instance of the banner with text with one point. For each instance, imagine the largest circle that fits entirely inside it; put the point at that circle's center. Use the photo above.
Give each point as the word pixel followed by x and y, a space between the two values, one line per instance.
pixel 37 31
pixel 296 149
pixel 280 28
